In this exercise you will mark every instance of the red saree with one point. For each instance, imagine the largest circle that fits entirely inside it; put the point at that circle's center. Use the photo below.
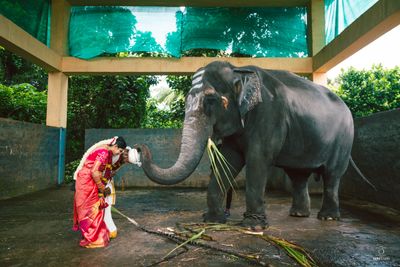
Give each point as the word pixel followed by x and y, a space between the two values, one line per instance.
pixel 88 207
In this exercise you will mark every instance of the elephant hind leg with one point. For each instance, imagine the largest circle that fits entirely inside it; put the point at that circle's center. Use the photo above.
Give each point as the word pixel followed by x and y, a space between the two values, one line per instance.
pixel 301 199
pixel 330 200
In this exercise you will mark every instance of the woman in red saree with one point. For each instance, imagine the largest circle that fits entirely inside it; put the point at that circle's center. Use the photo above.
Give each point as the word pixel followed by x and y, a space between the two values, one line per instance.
pixel 90 190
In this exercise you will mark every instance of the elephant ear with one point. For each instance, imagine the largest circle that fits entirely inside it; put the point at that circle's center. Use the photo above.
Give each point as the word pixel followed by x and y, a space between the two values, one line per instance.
pixel 248 90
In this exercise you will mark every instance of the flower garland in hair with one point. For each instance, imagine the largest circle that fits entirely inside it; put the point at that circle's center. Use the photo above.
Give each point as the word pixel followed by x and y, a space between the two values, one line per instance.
pixel 110 142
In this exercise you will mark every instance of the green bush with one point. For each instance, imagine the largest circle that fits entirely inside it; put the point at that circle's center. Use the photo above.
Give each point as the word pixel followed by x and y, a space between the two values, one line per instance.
pixel 23 102
pixel 369 91
pixel 104 102
pixel 157 118
pixel 70 169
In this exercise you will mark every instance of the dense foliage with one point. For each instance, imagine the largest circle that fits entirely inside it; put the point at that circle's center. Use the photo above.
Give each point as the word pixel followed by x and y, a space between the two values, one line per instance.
pixel 23 94
pixel 162 118
pixel 173 102
pixel 104 102
pixel 23 102
pixel 70 169
pixel 369 91
pixel 16 70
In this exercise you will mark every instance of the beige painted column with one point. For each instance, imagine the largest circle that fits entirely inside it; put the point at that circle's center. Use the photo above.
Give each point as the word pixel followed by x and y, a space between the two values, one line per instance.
pixel 57 100
pixel 320 78
pixel 57 94
pixel 317 10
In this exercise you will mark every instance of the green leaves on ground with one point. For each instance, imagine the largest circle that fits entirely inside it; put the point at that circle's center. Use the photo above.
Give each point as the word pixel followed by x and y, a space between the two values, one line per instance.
pixel 296 252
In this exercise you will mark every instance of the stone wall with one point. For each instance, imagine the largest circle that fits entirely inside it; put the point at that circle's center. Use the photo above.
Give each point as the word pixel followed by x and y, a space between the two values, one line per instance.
pixel 376 151
pixel 28 157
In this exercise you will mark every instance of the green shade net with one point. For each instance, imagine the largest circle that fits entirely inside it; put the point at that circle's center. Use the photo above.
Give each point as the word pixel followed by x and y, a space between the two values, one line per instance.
pixel 256 32
pixel 341 13
pixel 33 16
pixel 97 30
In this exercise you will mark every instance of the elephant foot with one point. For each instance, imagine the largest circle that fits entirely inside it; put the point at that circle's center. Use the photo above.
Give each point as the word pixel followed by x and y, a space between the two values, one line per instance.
pixel 296 212
pixel 328 216
pixel 255 222
pixel 214 218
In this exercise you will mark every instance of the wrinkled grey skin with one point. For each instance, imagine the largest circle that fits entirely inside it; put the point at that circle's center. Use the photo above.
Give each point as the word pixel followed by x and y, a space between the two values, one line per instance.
pixel 271 118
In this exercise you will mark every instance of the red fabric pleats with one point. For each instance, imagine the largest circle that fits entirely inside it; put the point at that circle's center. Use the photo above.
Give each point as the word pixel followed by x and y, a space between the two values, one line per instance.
pixel 89 211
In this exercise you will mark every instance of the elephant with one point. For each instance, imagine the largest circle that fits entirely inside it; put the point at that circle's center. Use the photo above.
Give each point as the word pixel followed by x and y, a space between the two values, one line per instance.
pixel 265 118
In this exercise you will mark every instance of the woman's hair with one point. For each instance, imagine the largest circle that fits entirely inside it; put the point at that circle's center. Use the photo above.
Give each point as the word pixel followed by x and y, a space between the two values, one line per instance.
pixel 120 142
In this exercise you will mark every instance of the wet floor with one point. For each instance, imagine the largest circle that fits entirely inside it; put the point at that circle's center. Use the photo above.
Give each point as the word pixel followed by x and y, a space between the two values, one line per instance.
pixel 36 231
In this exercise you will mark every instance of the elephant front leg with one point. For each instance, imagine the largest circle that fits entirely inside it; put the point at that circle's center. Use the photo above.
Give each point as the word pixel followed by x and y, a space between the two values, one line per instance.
pixel 215 200
pixel 216 194
pixel 256 180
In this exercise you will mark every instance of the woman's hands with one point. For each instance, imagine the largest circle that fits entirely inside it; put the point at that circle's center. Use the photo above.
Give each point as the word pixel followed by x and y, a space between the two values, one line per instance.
pixel 104 192
pixel 107 191
pixel 97 175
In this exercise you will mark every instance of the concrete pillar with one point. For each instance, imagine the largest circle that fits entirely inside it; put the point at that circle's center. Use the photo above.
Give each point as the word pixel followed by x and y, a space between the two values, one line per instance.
pixel 320 78
pixel 317 22
pixel 57 100
pixel 58 81
pixel 57 95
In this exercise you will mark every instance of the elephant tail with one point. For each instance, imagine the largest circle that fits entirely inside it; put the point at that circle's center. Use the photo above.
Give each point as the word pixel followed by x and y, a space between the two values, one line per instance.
pixel 360 173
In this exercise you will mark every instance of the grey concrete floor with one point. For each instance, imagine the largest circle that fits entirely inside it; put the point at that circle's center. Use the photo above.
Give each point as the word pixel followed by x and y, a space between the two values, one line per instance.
pixel 36 231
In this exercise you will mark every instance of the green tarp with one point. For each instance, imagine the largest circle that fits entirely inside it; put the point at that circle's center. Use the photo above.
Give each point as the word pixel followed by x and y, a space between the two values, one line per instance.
pixel 31 15
pixel 341 13
pixel 256 32
pixel 173 31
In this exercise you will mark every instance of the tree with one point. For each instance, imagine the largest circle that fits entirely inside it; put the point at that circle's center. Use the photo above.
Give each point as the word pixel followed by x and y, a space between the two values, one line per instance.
pixel 23 102
pixel 16 70
pixel 159 118
pixel 104 102
pixel 146 42
pixel 369 91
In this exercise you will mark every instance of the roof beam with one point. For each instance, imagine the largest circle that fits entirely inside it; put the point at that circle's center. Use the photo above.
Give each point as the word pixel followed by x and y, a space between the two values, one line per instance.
pixel 192 3
pixel 182 66
pixel 18 41
pixel 379 19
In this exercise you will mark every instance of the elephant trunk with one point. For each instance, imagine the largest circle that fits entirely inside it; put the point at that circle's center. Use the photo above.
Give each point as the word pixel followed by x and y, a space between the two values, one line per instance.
pixel 196 131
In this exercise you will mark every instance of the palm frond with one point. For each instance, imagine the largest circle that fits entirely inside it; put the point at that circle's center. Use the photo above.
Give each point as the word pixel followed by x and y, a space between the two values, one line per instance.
pixel 218 160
